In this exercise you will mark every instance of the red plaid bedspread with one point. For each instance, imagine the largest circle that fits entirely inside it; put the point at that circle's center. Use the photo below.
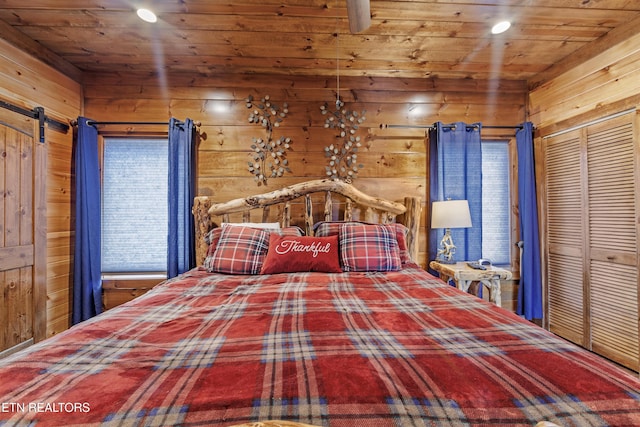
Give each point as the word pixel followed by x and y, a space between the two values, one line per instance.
pixel 365 349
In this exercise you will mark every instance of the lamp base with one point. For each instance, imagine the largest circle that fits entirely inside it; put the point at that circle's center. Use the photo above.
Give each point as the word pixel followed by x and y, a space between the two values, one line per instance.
pixel 447 249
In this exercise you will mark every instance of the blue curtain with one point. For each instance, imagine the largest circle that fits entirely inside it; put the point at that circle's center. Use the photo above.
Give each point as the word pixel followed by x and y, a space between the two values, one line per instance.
pixel 182 169
pixel 87 283
pixel 530 289
pixel 455 172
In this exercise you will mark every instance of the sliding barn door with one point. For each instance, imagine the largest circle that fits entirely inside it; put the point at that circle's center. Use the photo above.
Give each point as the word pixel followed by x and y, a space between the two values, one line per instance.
pixel 592 238
pixel 22 233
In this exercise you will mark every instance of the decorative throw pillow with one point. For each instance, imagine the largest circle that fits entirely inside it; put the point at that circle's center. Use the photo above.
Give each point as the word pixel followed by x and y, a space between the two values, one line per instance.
pixel 213 237
pixel 289 231
pixel 240 250
pixel 329 228
pixel 288 254
pixel 401 236
pixel 369 247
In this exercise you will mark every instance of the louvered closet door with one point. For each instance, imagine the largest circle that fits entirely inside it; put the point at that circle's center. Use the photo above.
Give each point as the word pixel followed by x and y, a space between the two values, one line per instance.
pixel 565 237
pixel 613 272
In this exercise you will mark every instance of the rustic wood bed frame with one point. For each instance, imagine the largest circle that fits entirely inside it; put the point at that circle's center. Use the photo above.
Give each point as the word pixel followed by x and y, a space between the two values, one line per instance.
pixel 341 202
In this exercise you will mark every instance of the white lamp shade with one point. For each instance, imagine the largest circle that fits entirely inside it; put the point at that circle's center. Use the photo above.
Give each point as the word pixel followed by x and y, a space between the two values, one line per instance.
pixel 450 214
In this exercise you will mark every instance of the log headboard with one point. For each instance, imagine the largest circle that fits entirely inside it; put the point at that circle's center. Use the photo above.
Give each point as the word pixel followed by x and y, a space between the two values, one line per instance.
pixel 340 201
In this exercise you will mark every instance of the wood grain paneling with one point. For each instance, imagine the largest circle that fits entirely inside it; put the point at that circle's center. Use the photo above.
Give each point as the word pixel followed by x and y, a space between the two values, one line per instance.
pixel 394 160
pixel 587 88
pixel 119 291
pixel 60 231
pixel 415 39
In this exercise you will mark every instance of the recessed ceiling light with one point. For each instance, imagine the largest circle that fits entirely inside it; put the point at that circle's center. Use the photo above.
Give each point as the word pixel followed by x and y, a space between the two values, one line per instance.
pixel 500 27
pixel 147 15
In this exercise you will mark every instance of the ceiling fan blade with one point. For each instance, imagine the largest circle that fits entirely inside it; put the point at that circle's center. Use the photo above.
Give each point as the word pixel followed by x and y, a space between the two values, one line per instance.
pixel 359 14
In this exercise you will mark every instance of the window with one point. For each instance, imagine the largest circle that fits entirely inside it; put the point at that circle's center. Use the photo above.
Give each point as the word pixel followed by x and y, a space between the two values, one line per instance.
pixel 134 205
pixel 496 204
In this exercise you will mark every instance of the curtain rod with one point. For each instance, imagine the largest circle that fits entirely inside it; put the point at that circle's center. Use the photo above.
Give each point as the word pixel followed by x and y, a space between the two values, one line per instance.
pixel 431 127
pixel 94 122
pixel 37 113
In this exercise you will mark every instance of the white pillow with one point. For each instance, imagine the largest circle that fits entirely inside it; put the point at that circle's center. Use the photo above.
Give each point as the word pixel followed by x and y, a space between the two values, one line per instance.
pixel 269 225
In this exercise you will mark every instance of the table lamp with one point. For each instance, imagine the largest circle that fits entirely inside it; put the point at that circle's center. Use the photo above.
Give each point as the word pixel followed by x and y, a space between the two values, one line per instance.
pixel 449 214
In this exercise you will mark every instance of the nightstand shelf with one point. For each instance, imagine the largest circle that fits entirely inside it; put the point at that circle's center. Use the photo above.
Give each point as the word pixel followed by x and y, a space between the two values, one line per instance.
pixel 463 276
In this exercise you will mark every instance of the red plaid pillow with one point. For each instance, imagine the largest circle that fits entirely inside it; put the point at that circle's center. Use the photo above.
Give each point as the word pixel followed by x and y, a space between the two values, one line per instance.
pixel 289 254
pixel 211 238
pixel 215 263
pixel 401 236
pixel 289 231
pixel 327 228
pixel 240 250
pixel 369 247
pixel 330 228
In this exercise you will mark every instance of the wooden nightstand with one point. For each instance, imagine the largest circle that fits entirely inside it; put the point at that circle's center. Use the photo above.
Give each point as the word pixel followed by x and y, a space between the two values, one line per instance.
pixel 463 276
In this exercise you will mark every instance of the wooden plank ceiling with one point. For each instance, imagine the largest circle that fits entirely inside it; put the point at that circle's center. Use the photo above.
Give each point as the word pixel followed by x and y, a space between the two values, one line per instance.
pixel 408 39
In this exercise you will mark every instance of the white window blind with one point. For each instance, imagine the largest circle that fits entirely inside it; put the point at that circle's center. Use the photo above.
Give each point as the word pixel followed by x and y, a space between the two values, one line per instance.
pixel 496 226
pixel 134 205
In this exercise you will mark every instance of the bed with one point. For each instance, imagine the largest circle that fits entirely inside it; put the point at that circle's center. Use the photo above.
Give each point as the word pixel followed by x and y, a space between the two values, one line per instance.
pixel 320 319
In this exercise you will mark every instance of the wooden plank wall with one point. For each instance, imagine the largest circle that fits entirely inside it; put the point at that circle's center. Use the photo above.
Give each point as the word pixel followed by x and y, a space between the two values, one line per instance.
pixel 395 160
pixel 28 83
pixel 60 231
pixel 606 83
